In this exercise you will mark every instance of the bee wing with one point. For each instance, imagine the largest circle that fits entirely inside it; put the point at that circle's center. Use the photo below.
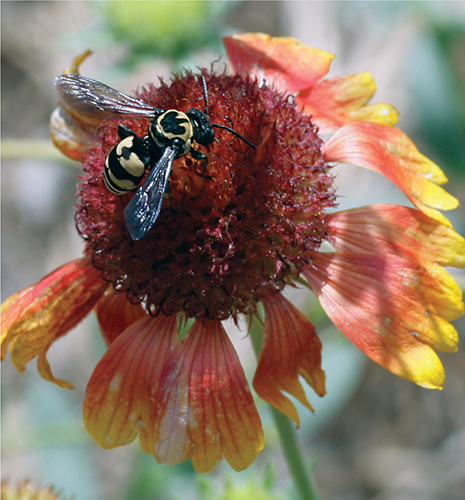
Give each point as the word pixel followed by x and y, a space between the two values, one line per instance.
pixel 94 99
pixel 142 211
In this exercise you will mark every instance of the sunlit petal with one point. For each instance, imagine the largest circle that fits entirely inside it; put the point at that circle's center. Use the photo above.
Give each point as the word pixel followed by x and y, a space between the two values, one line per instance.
pixel 391 308
pixel 282 62
pixel 336 101
pixel 389 151
pixel 396 229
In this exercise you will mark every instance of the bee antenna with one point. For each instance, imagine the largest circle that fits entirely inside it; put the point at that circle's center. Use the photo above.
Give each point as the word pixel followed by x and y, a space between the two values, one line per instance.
pixel 234 133
pixel 205 94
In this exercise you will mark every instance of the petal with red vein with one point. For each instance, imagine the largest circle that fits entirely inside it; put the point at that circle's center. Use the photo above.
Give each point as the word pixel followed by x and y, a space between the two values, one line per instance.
pixel 336 101
pixel 391 308
pixel 34 318
pixel 208 410
pixel 290 348
pixel 396 229
pixel 390 152
pixel 283 62
pixel 115 313
pixel 121 394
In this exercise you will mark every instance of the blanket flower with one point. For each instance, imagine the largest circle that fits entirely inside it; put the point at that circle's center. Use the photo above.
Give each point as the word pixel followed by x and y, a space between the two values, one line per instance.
pixel 233 234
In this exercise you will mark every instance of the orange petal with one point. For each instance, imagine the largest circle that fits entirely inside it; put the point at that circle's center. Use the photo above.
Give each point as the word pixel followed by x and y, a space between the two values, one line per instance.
pixel 399 230
pixel 115 313
pixel 72 133
pixel 390 152
pixel 290 348
pixel 120 395
pixel 336 101
pixel 282 62
pixel 35 317
pixel 186 399
pixel 208 410
pixel 391 308
pixel 406 232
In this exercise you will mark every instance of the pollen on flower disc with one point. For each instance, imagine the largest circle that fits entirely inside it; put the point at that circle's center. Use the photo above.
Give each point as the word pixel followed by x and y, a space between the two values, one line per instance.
pixel 230 231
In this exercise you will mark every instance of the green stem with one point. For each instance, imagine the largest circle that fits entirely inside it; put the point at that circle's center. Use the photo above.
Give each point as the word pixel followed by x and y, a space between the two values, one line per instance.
pixel 293 454
pixel 39 149
pixel 302 479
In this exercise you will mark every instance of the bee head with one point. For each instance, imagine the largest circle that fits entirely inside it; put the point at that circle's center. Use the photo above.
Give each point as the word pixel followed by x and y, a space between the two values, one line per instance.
pixel 203 130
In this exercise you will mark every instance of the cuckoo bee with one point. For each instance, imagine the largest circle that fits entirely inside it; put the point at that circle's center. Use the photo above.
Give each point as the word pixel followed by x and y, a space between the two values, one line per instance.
pixel 171 135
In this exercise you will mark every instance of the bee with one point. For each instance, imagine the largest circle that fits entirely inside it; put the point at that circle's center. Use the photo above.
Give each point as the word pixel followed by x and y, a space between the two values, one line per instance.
pixel 171 135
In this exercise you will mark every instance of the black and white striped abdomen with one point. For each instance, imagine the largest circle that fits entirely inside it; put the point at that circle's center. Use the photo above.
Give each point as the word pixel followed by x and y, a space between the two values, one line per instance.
pixel 124 168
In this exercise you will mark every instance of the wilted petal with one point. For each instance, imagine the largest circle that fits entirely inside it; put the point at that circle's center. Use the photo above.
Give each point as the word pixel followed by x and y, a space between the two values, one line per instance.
pixel 71 136
pixel 115 313
pixel 73 68
pixel 290 348
pixel 393 309
pixel 282 62
pixel 120 396
pixel 72 133
pixel 336 101
pixel 208 410
pixel 37 316
pixel 390 152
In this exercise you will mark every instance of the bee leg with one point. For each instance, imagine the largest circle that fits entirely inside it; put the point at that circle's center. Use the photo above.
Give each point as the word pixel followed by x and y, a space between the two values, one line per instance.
pixel 197 155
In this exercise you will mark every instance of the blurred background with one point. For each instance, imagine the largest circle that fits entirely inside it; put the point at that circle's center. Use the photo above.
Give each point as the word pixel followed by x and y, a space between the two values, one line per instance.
pixel 373 436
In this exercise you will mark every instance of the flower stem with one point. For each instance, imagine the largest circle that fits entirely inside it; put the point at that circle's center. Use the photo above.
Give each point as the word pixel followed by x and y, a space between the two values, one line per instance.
pixel 302 479
pixel 39 149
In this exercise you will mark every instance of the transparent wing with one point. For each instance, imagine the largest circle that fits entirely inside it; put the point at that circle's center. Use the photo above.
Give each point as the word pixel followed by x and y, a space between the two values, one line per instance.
pixel 94 99
pixel 142 211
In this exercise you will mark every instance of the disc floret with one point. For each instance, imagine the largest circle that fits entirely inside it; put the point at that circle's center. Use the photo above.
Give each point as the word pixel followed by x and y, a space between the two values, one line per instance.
pixel 230 231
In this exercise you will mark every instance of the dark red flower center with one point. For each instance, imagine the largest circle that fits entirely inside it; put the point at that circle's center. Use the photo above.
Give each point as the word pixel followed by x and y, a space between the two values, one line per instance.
pixel 229 232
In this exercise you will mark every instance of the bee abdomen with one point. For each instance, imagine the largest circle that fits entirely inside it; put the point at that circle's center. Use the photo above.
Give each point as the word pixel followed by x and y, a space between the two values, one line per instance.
pixel 124 168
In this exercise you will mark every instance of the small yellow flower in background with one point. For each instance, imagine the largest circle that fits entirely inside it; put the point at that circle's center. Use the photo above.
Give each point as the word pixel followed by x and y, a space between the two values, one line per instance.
pixel 26 490
pixel 235 233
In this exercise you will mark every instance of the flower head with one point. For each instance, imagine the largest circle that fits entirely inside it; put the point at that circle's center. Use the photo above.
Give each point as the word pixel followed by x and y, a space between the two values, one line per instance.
pixel 233 232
